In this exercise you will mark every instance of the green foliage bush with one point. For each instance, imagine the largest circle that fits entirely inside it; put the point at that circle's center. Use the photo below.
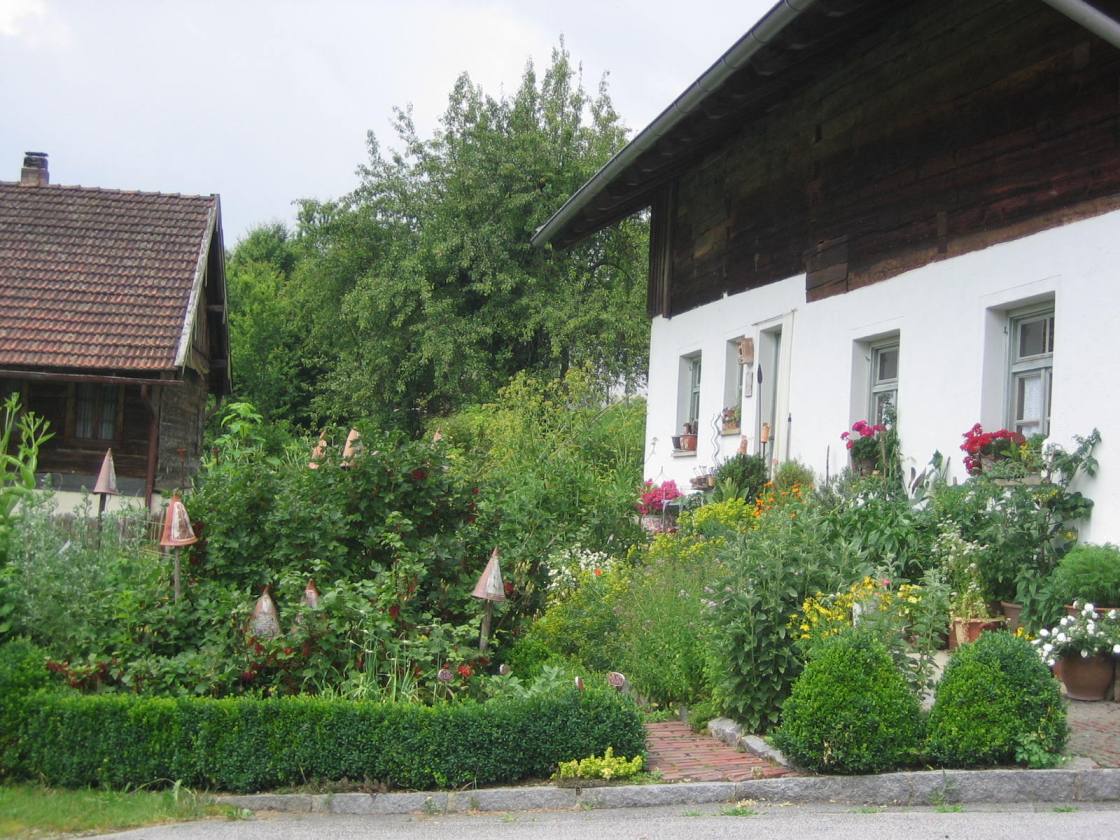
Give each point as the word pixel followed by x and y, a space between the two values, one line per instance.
pixel 559 465
pixel 740 477
pixel 663 639
pixel 22 671
pixel 245 744
pixel 995 699
pixel 851 710
pixel 771 570
pixel 1088 573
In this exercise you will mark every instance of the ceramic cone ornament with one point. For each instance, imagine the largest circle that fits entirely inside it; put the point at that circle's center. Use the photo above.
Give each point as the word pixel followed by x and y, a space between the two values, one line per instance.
pixel 490 586
pixel 352 448
pixel 264 623
pixel 318 452
pixel 107 478
pixel 310 595
pixel 177 530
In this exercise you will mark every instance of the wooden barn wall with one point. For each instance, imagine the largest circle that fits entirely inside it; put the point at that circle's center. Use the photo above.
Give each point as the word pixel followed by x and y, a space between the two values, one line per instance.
pixel 181 420
pixel 958 125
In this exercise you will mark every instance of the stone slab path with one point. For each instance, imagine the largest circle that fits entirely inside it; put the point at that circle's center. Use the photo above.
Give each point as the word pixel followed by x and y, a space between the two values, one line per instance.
pixel 683 755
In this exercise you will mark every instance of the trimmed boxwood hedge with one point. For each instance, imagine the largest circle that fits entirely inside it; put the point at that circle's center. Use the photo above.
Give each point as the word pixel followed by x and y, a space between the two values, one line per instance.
pixel 994 699
pixel 247 744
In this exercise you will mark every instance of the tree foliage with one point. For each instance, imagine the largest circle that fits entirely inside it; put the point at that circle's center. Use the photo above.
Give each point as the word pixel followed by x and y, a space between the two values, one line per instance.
pixel 419 292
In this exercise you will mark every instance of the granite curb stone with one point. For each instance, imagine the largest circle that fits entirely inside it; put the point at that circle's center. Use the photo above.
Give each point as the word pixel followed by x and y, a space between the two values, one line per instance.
pixel 923 787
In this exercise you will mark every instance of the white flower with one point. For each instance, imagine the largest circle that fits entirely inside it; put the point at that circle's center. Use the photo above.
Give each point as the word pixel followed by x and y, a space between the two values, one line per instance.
pixel 1091 627
pixel 1084 654
pixel 1061 638
pixel 1044 632
pixel 1116 649
pixel 1089 609
pixel 1046 648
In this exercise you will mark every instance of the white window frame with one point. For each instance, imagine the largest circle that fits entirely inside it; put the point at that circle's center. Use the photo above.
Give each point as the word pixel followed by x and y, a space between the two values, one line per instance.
pixel 695 369
pixel 876 387
pixel 1038 363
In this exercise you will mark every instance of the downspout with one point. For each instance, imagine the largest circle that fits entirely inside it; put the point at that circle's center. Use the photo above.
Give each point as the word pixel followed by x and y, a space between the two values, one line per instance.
pixel 761 34
pixel 1090 17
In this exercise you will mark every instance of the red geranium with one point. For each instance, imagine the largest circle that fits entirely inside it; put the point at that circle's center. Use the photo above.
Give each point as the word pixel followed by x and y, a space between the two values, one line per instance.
pixel 979 444
pixel 465 671
pixel 656 495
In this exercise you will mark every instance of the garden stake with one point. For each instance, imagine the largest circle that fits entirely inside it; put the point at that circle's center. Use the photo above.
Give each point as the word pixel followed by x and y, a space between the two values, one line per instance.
pixel 489 588
pixel 177 532
pixel 106 486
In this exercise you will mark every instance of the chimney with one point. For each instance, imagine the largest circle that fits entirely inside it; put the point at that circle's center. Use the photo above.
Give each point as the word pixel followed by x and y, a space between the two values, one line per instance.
pixel 34 172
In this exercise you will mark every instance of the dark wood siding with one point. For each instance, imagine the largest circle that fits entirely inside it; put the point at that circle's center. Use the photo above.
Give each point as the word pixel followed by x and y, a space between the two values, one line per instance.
pixel 63 454
pixel 956 125
pixel 181 420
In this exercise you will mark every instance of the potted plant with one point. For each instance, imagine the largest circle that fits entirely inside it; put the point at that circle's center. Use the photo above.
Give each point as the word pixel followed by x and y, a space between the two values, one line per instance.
pixel 984 449
pixel 653 505
pixel 1087 573
pixel 688 436
pixel 730 418
pixel 865 446
pixel 968 601
pixel 1081 650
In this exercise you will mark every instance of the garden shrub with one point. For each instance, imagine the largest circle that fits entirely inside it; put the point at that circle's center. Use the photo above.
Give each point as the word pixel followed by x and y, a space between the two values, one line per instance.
pixel 22 672
pixel 662 640
pixel 997 703
pixel 246 744
pixel 771 570
pixel 1088 573
pixel 851 710
pixel 791 474
pixel 740 477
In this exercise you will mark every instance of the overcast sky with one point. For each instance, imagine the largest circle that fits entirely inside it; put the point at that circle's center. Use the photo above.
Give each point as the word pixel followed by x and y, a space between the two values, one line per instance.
pixel 267 102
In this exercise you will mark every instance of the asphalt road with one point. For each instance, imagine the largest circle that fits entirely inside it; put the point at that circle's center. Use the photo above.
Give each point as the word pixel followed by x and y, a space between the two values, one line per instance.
pixel 703 822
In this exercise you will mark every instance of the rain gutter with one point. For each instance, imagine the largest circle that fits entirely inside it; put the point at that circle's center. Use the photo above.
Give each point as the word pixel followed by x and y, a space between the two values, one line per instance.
pixel 761 34
pixel 1092 18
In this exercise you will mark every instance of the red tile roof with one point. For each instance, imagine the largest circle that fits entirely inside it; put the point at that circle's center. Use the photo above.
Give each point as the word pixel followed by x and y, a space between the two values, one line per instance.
pixel 97 279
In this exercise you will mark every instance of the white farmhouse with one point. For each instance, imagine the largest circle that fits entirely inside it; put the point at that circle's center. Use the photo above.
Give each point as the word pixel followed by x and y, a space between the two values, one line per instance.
pixel 883 202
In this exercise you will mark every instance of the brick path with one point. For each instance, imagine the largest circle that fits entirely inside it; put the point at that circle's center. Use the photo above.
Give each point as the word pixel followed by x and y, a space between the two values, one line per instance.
pixel 1095 731
pixel 683 755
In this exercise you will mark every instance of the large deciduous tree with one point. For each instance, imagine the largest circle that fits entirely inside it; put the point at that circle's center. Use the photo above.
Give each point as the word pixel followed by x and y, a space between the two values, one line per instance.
pixel 420 292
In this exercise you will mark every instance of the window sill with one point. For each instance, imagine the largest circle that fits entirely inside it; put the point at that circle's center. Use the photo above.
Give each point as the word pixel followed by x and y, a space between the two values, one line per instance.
pixel 728 431
pixel 684 453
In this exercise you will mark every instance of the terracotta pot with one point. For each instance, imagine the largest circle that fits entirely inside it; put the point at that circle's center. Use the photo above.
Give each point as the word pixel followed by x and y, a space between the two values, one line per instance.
pixel 1071 610
pixel 863 466
pixel 1011 612
pixel 688 443
pixel 1086 678
pixel 968 630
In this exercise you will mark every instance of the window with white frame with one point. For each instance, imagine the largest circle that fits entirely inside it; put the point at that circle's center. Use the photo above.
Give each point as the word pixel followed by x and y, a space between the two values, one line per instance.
pixel 883 381
pixel 693 412
pixel 1031 364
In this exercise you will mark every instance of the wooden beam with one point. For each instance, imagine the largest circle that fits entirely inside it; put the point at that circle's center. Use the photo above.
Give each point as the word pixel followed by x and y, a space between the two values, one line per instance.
pixel 39 376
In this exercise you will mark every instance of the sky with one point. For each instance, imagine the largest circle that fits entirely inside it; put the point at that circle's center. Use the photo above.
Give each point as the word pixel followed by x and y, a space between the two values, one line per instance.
pixel 269 101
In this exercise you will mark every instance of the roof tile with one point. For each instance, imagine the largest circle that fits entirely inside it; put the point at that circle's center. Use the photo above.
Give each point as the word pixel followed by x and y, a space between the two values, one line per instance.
pixel 94 278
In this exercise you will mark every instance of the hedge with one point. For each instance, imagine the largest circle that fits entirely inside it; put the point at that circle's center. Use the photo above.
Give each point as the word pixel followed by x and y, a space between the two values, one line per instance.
pixel 247 744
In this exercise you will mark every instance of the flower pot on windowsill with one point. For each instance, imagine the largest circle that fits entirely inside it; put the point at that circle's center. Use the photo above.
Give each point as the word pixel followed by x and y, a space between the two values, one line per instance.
pixel 726 429
pixel 1086 677
pixel 688 443
pixel 863 466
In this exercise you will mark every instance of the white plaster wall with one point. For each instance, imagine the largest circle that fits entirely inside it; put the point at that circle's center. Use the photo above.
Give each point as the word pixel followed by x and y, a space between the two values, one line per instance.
pixel 951 362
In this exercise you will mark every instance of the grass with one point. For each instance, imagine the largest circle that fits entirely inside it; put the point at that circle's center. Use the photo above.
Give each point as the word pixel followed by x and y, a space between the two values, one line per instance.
pixel 948 809
pixel 1064 809
pixel 869 809
pixel 29 811
pixel 739 809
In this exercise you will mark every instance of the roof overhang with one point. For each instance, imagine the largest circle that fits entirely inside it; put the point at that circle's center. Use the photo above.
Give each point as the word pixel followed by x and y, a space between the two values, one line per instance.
pixel 787 48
